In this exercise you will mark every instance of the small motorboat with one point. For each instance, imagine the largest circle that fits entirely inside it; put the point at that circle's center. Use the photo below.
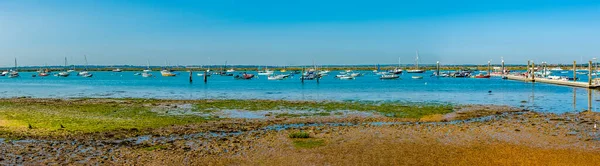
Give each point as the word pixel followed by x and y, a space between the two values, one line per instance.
pixel 13 74
pixel 396 71
pixel 417 77
pixel 87 75
pixel 356 74
pixel 137 74
pixel 277 77
pixel 389 76
pixel 482 76
pixel 167 73
pixel 63 74
pixel 346 77
pixel 117 70
pixel 244 76
pixel 146 74
pixel 43 74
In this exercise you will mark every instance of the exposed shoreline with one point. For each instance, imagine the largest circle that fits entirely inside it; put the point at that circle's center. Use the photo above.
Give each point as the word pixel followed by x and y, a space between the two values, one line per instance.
pixel 479 131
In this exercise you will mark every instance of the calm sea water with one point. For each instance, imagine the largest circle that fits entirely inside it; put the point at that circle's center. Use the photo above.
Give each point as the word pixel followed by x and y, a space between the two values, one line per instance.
pixel 535 96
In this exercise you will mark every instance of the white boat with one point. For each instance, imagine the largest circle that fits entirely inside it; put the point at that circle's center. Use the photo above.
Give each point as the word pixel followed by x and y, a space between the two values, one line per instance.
pixel 146 74
pixel 355 74
pixel 147 67
pixel 64 73
pixel 266 72
pixel 85 73
pixel 117 70
pixel 14 73
pixel 556 69
pixel 167 73
pixel 346 77
pixel 417 77
pixel 4 73
pixel 389 76
pixel 276 77
pixel 381 73
pixel 417 65
pixel 230 71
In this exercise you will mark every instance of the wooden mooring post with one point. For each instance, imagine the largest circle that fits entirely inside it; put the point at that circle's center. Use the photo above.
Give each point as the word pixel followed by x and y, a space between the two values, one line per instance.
pixel 437 72
pixel 528 69
pixel 302 76
pixel 574 70
pixel 205 77
pixel 532 72
pixel 590 73
pixel 503 69
pixel 191 76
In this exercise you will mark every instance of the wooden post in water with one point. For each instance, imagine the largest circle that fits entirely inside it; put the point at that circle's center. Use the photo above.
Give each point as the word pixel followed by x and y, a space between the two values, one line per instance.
pixel 490 68
pixel 533 72
pixel 302 75
pixel 503 68
pixel 528 69
pixel 438 69
pixel 574 71
pixel 589 100
pixel 589 73
pixel 190 76
pixel 205 77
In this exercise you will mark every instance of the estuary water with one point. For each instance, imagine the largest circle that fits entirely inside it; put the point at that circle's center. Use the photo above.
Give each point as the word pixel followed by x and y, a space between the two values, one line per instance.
pixel 534 96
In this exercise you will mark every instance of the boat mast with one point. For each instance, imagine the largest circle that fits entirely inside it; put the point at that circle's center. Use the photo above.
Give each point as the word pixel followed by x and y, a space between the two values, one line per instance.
pixel 147 64
pixel 86 62
pixel 417 60
pixel 66 64
pixel 15 64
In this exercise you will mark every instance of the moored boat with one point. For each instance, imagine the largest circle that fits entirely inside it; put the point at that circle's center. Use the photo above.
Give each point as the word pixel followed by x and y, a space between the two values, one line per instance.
pixel 389 76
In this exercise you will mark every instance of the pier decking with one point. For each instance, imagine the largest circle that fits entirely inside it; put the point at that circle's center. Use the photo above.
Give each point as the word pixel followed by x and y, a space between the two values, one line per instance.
pixel 593 85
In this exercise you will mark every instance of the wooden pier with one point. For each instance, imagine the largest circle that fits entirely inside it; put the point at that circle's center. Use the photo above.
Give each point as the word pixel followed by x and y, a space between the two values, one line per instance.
pixel 551 81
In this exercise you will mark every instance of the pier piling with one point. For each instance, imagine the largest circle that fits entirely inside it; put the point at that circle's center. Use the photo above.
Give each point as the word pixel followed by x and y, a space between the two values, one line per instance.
pixel 574 70
pixel 205 77
pixel 532 72
pixel 489 67
pixel 590 73
pixel 302 76
pixel 191 76
pixel 528 69
pixel 503 69
pixel 437 72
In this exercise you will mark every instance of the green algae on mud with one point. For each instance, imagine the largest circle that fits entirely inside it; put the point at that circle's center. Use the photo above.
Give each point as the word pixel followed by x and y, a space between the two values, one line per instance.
pixel 60 118
pixel 55 117
pixel 389 109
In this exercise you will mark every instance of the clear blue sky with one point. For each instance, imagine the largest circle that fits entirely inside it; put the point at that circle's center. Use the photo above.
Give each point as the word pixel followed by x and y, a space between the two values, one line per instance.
pixel 277 32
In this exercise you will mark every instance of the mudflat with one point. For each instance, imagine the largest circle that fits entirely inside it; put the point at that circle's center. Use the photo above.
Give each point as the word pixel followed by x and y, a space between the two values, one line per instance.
pixel 275 132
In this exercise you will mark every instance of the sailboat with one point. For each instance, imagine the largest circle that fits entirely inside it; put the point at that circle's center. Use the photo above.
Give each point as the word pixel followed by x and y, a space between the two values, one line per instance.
pixel 417 64
pixel 117 70
pixel 398 70
pixel 147 67
pixel 72 69
pixel 266 72
pixel 14 73
pixel 85 73
pixel 44 72
pixel 389 77
pixel 167 72
pixel 66 72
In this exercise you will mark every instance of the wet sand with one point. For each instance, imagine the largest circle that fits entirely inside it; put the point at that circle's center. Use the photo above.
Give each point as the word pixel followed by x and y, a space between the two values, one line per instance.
pixel 482 135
